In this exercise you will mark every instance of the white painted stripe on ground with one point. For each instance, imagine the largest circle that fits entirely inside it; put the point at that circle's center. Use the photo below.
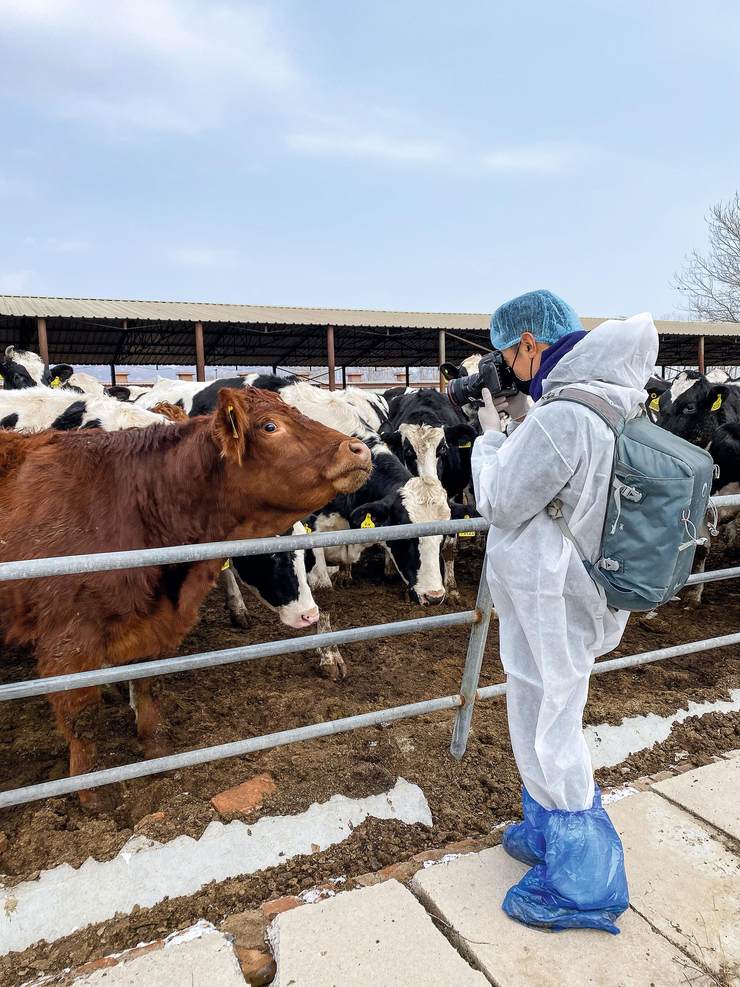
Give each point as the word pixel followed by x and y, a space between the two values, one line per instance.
pixel 63 899
pixel 610 744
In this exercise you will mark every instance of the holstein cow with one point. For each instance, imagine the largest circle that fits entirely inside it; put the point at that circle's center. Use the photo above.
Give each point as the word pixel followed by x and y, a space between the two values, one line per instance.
pixel 705 410
pixel 208 479
pixel 21 368
pixel 34 409
pixel 391 496
pixel 432 438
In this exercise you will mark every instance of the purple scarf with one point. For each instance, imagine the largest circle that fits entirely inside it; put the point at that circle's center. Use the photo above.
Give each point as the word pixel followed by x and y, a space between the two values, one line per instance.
pixel 550 359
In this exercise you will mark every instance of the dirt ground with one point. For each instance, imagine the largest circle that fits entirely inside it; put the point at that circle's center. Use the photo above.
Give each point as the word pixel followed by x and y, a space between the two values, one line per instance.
pixel 244 700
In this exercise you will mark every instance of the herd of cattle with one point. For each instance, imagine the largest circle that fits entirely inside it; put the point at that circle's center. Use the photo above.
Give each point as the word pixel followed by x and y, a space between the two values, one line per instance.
pixel 84 468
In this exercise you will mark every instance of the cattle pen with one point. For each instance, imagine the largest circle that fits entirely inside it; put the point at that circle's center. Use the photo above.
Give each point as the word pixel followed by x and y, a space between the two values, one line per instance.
pixel 463 701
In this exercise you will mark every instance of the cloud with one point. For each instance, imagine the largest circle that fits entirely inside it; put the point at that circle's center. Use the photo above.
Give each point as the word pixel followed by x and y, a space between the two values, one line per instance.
pixel 367 146
pixel 177 66
pixel 16 282
pixel 58 245
pixel 204 257
pixel 536 160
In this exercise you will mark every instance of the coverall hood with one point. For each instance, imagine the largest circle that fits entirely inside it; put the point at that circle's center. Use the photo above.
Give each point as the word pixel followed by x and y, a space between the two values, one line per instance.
pixel 615 360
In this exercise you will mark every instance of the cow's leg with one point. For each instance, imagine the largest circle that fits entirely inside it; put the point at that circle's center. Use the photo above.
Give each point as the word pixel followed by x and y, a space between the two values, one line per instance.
pixel 320 576
pixel 344 576
pixel 331 663
pixel 69 709
pixel 389 568
pixel 693 595
pixel 234 600
pixel 149 727
pixel 449 551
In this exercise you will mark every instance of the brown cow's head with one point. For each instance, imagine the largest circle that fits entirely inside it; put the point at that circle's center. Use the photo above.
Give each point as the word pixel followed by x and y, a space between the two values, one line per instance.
pixel 281 458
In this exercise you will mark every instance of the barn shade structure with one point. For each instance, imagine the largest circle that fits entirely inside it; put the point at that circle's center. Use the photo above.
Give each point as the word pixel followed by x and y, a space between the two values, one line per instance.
pixel 113 331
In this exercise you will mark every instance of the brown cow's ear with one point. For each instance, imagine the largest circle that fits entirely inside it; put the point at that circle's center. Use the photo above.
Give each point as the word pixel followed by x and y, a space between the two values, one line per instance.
pixel 231 424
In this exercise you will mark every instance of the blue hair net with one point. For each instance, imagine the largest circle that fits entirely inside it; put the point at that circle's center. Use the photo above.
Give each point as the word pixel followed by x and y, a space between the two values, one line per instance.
pixel 540 312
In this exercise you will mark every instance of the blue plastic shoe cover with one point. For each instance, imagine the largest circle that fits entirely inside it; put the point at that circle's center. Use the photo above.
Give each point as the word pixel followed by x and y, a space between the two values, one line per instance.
pixel 525 841
pixel 581 884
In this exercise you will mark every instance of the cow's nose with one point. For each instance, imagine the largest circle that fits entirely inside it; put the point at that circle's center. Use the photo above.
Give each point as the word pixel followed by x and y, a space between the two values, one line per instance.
pixel 310 616
pixel 433 597
pixel 359 449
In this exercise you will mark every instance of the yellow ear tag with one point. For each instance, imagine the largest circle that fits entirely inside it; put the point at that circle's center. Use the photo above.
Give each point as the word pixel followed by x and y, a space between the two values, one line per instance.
pixel 465 445
pixel 368 522
pixel 230 413
pixel 718 403
pixel 226 565
pixel 466 534
pixel 654 405
pixel 56 382
pixel 307 528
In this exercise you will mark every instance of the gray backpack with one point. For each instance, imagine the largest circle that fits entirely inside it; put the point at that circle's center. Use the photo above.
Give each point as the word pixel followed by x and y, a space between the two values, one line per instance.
pixel 660 487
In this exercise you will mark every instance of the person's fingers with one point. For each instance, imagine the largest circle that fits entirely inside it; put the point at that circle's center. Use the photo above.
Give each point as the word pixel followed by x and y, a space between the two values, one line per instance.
pixel 501 404
pixel 487 398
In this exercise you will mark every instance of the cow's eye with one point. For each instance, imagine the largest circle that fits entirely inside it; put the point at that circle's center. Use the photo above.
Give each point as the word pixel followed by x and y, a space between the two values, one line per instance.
pixel 270 427
pixel 689 409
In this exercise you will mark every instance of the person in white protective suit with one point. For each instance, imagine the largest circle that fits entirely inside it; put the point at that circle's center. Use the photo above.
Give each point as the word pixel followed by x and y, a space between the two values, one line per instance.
pixel 553 622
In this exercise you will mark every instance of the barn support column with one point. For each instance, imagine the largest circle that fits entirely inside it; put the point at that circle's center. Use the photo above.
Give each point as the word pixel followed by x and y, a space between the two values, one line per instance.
pixel 113 374
pixel 344 378
pixel 442 358
pixel 274 370
pixel 331 363
pixel 700 354
pixel 408 378
pixel 200 352
pixel 43 341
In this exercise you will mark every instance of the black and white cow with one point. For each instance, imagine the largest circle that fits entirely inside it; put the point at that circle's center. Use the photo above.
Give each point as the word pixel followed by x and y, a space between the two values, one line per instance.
pixel 696 405
pixel 431 438
pixel 705 410
pixel 279 580
pixel 20 369
pixel 34 409
pixel 391 496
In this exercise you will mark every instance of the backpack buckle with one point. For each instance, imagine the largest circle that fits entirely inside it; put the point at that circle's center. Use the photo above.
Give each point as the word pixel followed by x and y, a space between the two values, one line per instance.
pixel 609 565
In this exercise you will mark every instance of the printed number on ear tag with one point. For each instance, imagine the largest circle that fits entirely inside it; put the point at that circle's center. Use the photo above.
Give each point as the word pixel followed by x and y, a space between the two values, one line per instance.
pixel 717 403
pixel 226 565
pixel 368 522
pixel 56 382
pixel 307 528
pixel 654 405
pixel 466 534
pixel 465 445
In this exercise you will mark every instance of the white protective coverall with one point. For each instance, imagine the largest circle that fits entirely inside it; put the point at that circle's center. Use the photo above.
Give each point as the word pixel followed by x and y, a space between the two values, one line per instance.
pixel 552 620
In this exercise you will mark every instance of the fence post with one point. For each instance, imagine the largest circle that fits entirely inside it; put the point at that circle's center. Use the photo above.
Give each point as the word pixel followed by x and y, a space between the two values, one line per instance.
pixel 471 672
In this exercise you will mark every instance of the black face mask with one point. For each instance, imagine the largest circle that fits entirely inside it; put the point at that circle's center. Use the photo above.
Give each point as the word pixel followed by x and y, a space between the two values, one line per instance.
pixel 523 385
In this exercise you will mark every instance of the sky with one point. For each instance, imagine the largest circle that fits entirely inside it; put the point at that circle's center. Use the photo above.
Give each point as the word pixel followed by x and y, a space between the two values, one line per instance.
pixel 390 154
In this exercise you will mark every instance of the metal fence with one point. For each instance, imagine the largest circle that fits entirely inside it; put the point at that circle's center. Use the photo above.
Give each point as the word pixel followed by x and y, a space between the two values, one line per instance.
pixel 464 701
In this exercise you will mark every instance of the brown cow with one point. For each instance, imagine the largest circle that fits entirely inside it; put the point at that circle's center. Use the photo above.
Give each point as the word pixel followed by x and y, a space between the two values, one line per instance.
pixel 250 469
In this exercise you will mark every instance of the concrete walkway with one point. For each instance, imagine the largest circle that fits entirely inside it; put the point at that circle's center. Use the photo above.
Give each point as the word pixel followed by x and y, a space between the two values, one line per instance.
pixel 683 926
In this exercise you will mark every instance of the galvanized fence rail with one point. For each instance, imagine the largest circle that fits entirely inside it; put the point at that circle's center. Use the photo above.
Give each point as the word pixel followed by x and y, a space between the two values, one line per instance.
pixel 463 702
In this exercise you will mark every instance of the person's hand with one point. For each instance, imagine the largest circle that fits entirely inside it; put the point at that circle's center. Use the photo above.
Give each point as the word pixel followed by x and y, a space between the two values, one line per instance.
pixel 489 416
pixel 516 406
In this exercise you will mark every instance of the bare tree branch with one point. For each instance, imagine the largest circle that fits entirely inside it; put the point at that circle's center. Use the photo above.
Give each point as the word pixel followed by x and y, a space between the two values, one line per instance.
pixel 711 282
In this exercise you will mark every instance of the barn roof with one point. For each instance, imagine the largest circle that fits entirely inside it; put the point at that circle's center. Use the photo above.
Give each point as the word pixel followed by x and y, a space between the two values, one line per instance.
pixel 104 331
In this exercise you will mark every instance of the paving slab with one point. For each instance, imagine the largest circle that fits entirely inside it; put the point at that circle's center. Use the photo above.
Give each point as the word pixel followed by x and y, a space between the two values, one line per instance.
pixel 711 792
pixel 467 894
pixel 373 936
pixel 682 880
pixel 200 960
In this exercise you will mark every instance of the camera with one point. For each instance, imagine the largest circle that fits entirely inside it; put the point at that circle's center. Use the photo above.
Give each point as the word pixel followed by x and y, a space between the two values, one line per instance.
pixel 467 389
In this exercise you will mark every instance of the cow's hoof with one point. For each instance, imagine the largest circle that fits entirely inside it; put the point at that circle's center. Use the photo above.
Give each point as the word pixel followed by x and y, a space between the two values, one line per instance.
pixel 156 747
pixel 453 595
pixel 333 668
pixel 343 578
pixel 240 620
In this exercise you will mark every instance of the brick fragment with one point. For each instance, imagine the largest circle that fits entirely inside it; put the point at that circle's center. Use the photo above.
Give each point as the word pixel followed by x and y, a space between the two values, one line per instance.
pixel 279 905
pixel 244 798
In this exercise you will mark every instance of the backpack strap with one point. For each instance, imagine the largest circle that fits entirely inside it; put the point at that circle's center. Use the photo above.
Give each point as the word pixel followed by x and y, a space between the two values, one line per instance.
pixel 606 411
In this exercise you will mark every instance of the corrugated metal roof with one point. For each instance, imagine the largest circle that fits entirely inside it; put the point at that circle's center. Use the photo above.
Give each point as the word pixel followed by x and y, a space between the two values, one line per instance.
pixel 117 308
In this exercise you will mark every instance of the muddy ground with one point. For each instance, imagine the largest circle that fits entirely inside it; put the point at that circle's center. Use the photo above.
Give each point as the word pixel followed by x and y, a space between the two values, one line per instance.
pixel 232 702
